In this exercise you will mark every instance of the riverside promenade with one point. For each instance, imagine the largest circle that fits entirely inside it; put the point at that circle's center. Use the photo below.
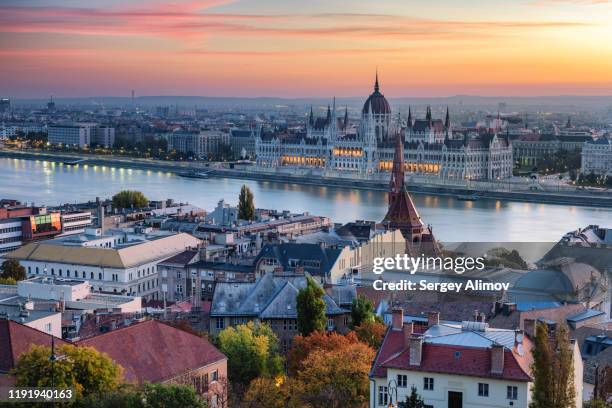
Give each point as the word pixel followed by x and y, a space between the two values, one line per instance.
pixel 514 189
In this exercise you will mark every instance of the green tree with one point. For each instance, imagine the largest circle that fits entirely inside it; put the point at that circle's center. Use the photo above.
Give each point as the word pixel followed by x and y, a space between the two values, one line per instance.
pixel 564 395
pixel 246 205
pixel 84 369
pixel 11 268
pixel 542 391
pixel 130 199
pixel 553 369
pixel 362 310
pixel 413 400
pixel 7 281
pixel 145 396
pixel 311 308
pixel 252 351
pixel 595 403
pixel 371 332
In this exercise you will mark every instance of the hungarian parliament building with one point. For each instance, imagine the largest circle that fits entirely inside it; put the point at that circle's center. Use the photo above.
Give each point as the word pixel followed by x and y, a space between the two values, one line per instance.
pixel 430 146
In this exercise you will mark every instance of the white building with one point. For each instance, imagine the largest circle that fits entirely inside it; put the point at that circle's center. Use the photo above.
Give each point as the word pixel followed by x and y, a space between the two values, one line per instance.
pixel 77 134
pixel 430 147
pixel 204 144
pixel 11 235
pixel 456 366
pixel 105 136
pixel 129 268
pixel 597 157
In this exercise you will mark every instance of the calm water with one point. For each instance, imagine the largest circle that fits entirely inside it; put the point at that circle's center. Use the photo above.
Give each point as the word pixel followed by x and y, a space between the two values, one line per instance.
pixel 485 220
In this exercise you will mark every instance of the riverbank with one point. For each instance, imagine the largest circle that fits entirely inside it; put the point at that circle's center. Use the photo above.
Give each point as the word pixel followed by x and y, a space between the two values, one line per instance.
pixel 502 192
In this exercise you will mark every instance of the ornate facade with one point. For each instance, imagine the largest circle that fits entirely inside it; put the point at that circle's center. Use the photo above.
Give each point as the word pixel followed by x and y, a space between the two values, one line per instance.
pixel 430 146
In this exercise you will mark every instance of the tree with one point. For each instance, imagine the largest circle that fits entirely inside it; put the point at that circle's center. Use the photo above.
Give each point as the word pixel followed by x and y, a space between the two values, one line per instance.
pixel 371 332
pixel 11 268
pixel 337 378
pixel 594 403
pixel 246 205
pixel 7 281
pixel 413 400
pixel 273 393
pixel 318 340
pixel 564 395
pixel 362 310
pixel 84 369
pixel 130 199
pixel 145 396
pixel 553 369
pixel 252 351
pixel 541 393
pixel 311 308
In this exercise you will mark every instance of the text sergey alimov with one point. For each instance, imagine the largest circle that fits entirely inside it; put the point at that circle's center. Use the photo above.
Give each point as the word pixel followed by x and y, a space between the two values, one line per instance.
pixel 459 265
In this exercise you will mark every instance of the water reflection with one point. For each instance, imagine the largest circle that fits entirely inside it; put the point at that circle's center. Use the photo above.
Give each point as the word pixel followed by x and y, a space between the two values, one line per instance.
pixel 453 220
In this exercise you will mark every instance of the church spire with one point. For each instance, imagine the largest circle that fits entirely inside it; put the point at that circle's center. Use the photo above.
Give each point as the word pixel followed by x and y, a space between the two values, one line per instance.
pixel 328 115
pixel 346 117
pixel 376 87
pixel 447 120
pixel 409 120
pixel 311 117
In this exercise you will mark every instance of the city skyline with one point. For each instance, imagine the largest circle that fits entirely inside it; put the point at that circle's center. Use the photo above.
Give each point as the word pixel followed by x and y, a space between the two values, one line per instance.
pixel 272 48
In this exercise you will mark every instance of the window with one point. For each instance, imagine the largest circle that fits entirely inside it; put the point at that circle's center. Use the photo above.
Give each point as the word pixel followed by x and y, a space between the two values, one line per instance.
pixel 512 392
pixel 402 381
pixel 48 327
pixel 383 395
pixel 215 375
pixel 330 324
pixel 483 390
pixel 220 323
pixel 428 383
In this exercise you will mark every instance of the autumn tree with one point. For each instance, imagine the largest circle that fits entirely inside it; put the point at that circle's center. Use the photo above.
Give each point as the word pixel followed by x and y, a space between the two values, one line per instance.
pixel 371 332
pixel 318 340
pixel 84 369
pixel 311 308
pixel 12 269
pixel 413 400
pixel 130 199
pixel 553 369
pixel 252 351
pixel 362 310
pixel 246 205
pixel 337 378
pixel 273 393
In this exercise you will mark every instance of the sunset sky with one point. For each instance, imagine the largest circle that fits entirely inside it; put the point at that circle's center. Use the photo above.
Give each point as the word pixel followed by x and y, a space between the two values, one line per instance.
pixel 305 48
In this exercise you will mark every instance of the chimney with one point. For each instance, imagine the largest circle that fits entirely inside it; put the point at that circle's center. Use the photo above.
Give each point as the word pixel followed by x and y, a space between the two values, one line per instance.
pixel 397 319
pixel 408 331
pixel 433 318
pixel 497 358
pixel 416 350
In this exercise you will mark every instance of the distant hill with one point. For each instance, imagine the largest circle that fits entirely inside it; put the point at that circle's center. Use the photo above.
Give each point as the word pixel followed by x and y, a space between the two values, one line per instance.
pixel 560 103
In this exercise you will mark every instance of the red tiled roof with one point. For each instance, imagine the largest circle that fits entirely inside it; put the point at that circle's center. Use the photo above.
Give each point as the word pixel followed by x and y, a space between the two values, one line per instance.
pixel 153 351
pixel 16 338
pixel 440 358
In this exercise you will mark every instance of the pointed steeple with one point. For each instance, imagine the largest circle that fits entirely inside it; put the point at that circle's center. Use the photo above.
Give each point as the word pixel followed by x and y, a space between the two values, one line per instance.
pixel 447 120
pixel 428 116
pixel 569 122
pixel 311 117
pixel 409 120
pixel 376 87
pixel 328 118
pixel 346 117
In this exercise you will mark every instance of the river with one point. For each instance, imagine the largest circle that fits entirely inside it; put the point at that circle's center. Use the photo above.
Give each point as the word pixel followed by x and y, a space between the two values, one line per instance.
pixel 52 183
